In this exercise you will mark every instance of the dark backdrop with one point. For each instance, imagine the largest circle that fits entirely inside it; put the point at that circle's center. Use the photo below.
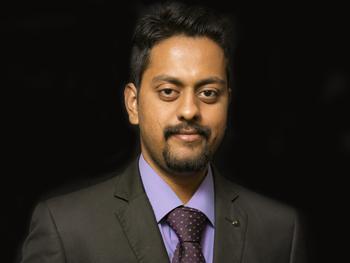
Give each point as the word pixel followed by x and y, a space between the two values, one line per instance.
pixel 64 123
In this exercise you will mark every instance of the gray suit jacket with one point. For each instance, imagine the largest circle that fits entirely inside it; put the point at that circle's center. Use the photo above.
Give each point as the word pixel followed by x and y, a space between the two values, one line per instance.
pixel 113 222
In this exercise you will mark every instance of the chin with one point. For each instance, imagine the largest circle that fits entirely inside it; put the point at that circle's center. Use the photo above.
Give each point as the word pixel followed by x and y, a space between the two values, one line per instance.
pixel 186 163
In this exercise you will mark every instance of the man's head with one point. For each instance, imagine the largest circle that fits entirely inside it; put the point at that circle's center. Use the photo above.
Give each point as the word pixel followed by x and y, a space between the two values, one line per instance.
pixel 179 91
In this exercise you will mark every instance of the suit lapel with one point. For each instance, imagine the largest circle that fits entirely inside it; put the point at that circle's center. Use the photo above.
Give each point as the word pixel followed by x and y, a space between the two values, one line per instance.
pixel 230 222
pixel 137 218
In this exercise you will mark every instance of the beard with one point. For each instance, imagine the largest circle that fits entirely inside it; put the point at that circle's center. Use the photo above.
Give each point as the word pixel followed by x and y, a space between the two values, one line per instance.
pixel 188 165
pixel 195 163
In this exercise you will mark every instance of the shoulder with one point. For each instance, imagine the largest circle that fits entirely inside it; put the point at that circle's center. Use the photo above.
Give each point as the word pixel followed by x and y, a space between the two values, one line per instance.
pixel 262 204
pixel 86 198
pixel 271 226
pixel 261 207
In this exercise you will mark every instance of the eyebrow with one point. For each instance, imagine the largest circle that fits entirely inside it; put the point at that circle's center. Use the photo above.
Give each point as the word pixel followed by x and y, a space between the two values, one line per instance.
pixel 178 82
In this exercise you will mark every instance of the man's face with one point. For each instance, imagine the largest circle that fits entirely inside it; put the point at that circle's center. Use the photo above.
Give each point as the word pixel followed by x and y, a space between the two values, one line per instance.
pixel 182 103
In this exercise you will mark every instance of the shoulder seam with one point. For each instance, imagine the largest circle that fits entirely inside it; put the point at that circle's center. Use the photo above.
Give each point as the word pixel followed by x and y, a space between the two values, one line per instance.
pixel 58 234
pixel 292 246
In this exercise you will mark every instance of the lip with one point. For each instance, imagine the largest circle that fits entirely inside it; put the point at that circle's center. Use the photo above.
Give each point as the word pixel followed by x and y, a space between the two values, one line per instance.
pixel 188 137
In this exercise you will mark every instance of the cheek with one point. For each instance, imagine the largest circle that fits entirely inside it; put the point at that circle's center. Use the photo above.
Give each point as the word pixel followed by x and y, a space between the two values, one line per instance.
pixel 219 131
pixel 154 113
pixel 216 120
pixel 151 120
pixel 216 117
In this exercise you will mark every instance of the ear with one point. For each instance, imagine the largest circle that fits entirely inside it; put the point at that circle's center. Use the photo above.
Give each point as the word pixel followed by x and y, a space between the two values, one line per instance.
pixel 130 100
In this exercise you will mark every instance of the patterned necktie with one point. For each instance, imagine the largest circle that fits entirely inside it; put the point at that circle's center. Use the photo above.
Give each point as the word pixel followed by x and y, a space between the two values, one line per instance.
pixel 188 224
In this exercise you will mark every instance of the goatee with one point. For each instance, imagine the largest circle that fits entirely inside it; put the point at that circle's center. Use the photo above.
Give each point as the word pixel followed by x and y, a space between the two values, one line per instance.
pixel 188 165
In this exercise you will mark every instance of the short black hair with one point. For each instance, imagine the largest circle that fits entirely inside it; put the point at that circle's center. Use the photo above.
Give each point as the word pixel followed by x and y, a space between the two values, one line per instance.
pixel 164 20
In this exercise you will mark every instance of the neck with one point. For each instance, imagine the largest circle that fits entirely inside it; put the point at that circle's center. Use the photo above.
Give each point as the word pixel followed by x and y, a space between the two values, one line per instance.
pixel 183 184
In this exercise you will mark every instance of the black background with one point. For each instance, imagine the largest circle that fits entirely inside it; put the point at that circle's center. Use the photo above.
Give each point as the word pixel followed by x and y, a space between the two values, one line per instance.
pixel 64 123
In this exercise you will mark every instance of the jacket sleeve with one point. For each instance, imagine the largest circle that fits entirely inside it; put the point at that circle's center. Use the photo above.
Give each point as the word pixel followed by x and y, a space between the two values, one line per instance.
pixel 299 253
pixel 43 244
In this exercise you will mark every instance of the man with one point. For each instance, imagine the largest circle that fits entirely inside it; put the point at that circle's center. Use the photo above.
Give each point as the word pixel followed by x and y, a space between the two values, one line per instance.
pixel 171 204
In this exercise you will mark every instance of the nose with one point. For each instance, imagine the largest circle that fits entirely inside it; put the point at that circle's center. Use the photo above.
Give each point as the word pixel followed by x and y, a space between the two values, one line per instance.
pixel 188 109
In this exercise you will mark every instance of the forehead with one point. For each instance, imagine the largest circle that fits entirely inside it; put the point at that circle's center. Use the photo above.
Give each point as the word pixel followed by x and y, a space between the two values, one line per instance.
pixel 187 57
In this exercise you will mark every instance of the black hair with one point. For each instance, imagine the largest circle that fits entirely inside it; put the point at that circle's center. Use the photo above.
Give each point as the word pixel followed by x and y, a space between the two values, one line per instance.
pixel 164 20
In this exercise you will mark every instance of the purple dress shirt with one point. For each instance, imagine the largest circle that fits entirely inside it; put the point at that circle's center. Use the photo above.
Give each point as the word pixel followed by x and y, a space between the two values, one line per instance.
pixel 163 200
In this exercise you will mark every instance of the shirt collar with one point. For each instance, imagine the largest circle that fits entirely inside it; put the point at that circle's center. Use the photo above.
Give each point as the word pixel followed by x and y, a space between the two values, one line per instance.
pixel 163 199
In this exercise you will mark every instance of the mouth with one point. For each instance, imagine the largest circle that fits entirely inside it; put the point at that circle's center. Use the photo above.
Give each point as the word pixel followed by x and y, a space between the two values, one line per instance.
pixel 187 136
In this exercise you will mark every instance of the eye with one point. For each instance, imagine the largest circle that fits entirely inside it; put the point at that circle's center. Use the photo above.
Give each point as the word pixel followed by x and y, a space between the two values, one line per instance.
pixel 209 95
pixel 168 94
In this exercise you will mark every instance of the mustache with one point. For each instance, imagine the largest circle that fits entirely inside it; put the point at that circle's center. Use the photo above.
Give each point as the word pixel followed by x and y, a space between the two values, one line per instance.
pixel 196 128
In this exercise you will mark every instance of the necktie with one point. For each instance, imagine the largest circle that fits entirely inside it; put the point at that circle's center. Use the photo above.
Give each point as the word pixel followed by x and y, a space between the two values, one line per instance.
pixel 188 224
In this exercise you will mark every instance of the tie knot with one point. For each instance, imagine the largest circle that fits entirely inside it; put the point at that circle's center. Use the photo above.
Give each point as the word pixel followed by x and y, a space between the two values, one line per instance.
pixel 188 223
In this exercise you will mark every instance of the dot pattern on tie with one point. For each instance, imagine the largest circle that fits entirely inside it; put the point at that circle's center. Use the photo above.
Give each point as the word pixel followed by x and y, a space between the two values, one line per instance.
pixel 188 224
